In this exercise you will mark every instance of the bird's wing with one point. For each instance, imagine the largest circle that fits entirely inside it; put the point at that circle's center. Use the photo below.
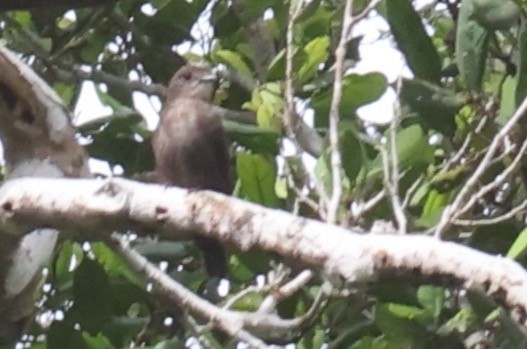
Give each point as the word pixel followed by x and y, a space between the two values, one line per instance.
pixel 196 156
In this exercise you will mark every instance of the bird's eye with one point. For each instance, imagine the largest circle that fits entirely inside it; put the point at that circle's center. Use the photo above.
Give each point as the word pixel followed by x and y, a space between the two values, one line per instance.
pixel 186 76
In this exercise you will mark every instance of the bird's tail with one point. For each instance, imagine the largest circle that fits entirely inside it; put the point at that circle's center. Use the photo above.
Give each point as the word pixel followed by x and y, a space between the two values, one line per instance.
pixel 213 256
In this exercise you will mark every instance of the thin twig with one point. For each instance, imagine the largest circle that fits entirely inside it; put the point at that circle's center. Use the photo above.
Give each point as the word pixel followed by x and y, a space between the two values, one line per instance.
pixel 392 191
pixel 499 180
pixel 291 121
pixel 411 191
pixel 334 116
pixel 301 196
pixel 243 80
pixel 363 207
pixel 270 302
pixel 258 36
pixel 247 290
pixel 450 212
pixel 197 331
pixel 460 153
pixel 495 220
pixel 291 117
pixel 391 169
pixel 371 6
pixel 173 290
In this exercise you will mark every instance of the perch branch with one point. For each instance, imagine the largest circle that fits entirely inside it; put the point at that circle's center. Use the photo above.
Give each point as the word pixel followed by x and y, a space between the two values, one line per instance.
pixel 95 208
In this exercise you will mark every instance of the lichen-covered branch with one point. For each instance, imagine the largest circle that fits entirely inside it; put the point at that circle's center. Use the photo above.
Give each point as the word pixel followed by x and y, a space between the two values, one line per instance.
pixel 95 208
pixel 38 140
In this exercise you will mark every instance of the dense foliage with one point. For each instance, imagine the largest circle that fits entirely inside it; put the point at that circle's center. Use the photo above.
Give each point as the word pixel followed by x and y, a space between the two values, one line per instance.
pixel 468 59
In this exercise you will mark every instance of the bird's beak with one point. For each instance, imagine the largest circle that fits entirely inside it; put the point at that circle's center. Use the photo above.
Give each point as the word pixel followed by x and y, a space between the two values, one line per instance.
pixel 211 77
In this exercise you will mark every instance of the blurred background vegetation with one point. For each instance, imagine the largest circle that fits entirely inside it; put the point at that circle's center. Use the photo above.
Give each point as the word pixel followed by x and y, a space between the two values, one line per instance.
pixel 468 61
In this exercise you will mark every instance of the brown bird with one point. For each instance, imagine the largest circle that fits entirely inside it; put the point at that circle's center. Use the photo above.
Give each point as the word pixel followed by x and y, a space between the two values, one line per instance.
pixel 190 147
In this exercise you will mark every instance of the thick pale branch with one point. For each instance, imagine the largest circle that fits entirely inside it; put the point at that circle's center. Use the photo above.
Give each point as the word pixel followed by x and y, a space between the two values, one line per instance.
pixel 95 207
pixel 38 140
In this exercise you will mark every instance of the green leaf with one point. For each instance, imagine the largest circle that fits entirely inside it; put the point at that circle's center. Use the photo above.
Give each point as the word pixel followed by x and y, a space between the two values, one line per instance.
pixel 70 253
pixel 276 69
pixel 371 343
pixel 119 93
pixel 98 341
pixel 265 117
pixel 92 297
pixel 114 265
pixel 395 322
pixel 459 323
pixel 484 238
pixel 496 15
pixel 255 8
pixel 519 246
pixel 432 299
pixel 471 46
pixel 319 338
pixel 433 208
pixel 323 172
pixel 412 39
pixel 66 92
pixel 521 88
pixel 272 105
pixel 316 53
pixel 352 154
pixel 24 18
pixel 118 107
pixel 257 175
pixel 249 302
pixel 158 251
pixel 413 150
pixel 120 140
pixel 61 335
pixel 96 43
pixel 253 137
pixel 244 266
pixel 404 311
pixel 436 106
pixel 233 60
pixel 268 103
pixel 224 20
pixel 357 90
pixel 314 20
pixel 509 94
pixel 445 181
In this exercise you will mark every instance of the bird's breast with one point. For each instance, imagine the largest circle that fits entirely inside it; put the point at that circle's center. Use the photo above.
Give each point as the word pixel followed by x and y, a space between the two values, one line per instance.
pixel 188 119
pixel 189 146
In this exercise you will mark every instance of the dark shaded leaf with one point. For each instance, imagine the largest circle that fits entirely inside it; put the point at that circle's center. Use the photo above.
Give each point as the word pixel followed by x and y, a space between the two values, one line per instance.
pixel 92 297
pixel 352 154
pixel 496 15
pixel 253 137
pixel 63 336
pixel 521 88
pixel 471 46
pixel 409 33
pixel 436 106
pixel 120 140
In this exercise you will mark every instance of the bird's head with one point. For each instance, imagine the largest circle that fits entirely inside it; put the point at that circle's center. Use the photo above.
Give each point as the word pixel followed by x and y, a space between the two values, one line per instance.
pixel 192 82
